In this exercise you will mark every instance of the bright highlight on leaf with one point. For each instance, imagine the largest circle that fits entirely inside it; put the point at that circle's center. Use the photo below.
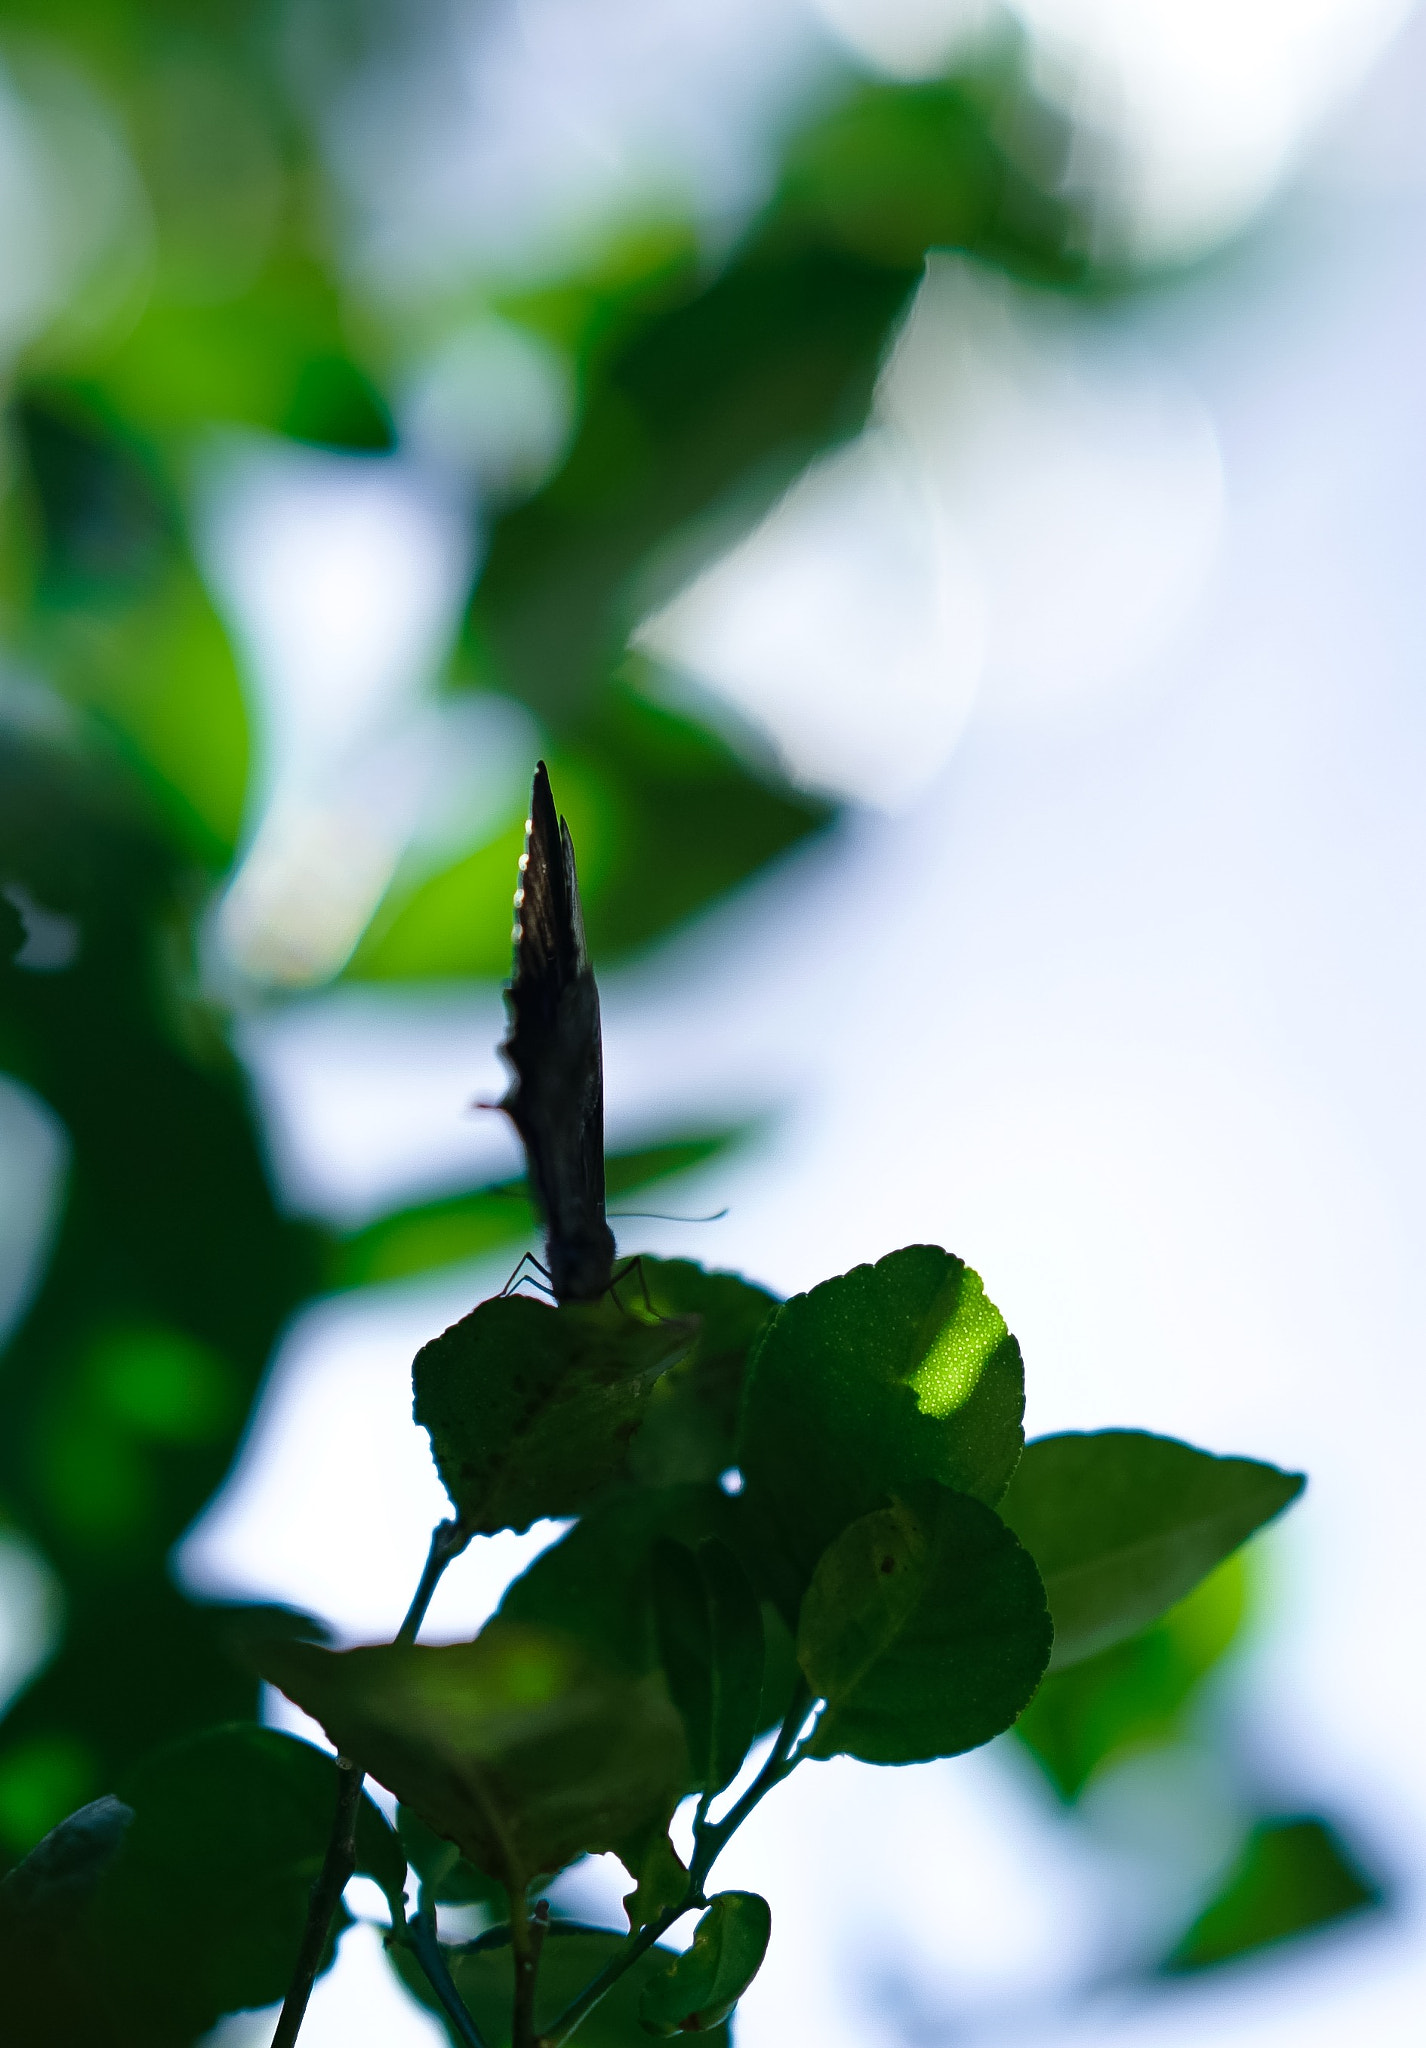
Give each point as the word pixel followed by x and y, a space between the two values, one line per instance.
pixel 893 1374
pixel 1122 1524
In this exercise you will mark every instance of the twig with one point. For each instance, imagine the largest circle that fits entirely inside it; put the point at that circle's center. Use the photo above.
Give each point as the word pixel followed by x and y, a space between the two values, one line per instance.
pixel 448 1539
pixel 430 1954
pixel 337 1867
pixel 709 1841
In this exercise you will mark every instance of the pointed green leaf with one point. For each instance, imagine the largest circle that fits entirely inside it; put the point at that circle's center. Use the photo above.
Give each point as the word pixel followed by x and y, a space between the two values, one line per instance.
pixel 699 1989
pixel 1122 1524
pixel 690 1427
pixel 660 1879
pixel 530 1408
pixel 924 1629
pixel 1291 1877
pixel 710 1634
pixel 518 1747
pixel 892 1374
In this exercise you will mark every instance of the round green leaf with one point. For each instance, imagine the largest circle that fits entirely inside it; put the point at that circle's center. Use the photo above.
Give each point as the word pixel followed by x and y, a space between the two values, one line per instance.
pixel 530 1408
pixel 699 1989
pixel 1123 1524
pixel 925 1630
pixel 893 1374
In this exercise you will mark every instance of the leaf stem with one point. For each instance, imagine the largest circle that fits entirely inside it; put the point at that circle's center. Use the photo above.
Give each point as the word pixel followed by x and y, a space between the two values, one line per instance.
pixel 430 1954
pixel 710 1838
pixel 448 1539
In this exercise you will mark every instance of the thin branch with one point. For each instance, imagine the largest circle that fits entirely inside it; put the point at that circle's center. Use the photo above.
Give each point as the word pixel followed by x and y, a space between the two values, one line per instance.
pixel 709 1841
pixel 448 1539
pixel 337 1867
pixel 430 1954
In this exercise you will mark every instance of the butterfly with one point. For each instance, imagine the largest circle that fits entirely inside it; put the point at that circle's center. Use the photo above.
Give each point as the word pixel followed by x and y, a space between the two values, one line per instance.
pixel 554 1051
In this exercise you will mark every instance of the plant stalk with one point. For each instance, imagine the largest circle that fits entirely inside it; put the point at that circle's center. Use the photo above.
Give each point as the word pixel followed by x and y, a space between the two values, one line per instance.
pixel 426 1947
pixel 448 1539
pixel 709 1841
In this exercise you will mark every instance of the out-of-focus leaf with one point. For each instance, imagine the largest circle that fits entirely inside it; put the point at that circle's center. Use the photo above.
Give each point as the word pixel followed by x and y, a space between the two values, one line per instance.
pixel 434 1234
pixel 690 1427
pixel 571 1957
pixel 710 1636
pixel 530 1408
pixel 894 1373
pixel 518 1747
pixel 700 1988
pixel 193 1907
pixel 1122 1524
pixel 925 1630
pixel 1293 1876
pixel 63 1871
pixel 1136 1695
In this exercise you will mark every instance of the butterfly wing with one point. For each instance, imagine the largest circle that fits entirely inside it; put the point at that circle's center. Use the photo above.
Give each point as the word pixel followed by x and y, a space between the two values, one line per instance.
pixel 556 1100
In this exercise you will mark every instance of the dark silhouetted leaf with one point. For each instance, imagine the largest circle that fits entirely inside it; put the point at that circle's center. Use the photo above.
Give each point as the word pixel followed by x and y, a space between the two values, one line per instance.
pixel 62 1872
pixel 894 1373
pixel 445 1875
pixel 1122 1524
pixel 518 1747
pixel 690 1427
pixel 700 1988
pixel 1292 1876
pixel 925 1630
pixel 571 1957
pixel 710 1636
pixel 530 1408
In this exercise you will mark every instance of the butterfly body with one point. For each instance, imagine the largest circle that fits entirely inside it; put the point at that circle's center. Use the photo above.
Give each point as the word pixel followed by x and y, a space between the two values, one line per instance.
pixel 554 1051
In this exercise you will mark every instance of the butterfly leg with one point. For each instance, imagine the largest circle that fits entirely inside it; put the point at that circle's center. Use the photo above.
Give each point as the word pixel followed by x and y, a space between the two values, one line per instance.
pixel 529 1268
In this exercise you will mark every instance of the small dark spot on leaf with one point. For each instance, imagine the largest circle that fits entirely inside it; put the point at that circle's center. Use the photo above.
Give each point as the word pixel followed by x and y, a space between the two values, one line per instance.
pixel 888 1564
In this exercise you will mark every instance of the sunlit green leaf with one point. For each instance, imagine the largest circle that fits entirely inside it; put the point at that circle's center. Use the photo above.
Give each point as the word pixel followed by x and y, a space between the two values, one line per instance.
pixel 924 1629
pixel 700 1988
pixel 1292 1876
pixel 710 1635
pixel 518 1747
pixel 531 1408
pixel 894 1373
pixel 1122 1524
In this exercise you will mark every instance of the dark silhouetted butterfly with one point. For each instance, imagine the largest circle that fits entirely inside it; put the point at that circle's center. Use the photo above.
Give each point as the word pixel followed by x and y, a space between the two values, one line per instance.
pixel 556 1101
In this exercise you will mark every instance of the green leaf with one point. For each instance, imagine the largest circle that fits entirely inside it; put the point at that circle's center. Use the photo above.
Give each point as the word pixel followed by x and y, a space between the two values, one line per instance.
pixel 690 1427
pixel 1122 1524
pixel 518 1747
pixel 894 1373
pixel 148 1930
pixel 530 1408
pixel 1135 1695
pixel 710 1633
pixel 571 1957
pixel 445 1875
pixel 660 1879
pixel 925 1630
pixel 699 1989
pixel 1291 1877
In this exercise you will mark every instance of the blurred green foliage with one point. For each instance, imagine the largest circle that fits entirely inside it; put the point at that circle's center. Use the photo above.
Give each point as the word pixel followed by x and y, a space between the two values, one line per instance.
pixel 202 287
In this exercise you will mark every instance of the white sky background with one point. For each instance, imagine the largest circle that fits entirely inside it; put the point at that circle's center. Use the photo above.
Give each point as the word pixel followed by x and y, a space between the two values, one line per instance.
pixel 1121 997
